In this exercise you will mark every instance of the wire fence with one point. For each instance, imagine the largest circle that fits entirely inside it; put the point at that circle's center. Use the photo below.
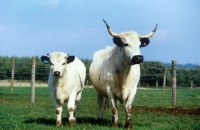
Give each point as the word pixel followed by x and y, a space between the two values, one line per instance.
pixel 151 77
pixel 20 74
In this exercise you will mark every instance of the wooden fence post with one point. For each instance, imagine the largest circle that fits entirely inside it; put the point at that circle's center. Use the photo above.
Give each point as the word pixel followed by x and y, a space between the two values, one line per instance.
pixel 156 84
pixel 164 82
pixel 33 81
pixel 174 84
pixel 192 85
pixel 12 76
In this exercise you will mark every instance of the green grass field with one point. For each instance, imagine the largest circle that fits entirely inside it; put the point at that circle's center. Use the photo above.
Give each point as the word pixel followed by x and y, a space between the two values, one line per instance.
pixel 151 111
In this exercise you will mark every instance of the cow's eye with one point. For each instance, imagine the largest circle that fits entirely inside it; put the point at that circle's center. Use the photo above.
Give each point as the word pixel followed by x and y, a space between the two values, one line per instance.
pixel 125 44
pixel 64 63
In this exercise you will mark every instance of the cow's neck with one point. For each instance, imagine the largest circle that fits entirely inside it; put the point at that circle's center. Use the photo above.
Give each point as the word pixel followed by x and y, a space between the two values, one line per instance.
pixel 121 66
pixel 121 77
pixel 124 69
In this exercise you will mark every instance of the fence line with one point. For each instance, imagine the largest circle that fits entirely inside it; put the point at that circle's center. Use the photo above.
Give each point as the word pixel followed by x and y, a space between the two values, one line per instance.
pixel 150 77
pixel 165 77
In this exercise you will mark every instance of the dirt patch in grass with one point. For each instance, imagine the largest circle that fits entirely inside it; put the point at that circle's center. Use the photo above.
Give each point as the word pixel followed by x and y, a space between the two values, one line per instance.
pixel 173 111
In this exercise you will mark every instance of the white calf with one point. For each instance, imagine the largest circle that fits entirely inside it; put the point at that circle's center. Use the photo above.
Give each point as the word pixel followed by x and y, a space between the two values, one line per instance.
pixel 66 82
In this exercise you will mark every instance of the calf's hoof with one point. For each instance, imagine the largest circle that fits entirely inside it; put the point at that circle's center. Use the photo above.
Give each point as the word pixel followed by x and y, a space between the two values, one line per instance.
pixel 72 122
pixel 58 123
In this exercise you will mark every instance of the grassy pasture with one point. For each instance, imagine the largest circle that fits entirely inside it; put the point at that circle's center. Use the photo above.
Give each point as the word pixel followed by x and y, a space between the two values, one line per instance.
pixel 151 111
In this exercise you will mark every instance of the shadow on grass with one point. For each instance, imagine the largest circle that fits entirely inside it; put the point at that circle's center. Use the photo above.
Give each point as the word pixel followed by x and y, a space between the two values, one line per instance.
pixel 44 121
pixel 93 121
pixel 79 120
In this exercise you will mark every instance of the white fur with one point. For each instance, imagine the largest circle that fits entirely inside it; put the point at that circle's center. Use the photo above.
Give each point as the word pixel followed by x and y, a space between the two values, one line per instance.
pixel 68 86
pixel 113 76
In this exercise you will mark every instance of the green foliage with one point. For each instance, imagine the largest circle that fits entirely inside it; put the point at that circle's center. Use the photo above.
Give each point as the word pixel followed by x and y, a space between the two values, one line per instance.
pixel 152 72
pixel 87 63
pixel 187 76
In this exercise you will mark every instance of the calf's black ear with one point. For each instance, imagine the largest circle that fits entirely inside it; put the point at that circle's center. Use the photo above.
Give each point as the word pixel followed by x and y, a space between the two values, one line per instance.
pixel 144 42
pixel 45 59
pixel 118 41
pixel 70 59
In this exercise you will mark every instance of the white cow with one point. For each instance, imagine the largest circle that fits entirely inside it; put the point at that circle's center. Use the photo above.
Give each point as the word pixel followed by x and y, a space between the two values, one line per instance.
pixel 66 82
pixel 115 72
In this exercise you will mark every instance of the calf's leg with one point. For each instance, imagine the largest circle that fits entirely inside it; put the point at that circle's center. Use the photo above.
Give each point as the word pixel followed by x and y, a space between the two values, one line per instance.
pixel 58 112
pixel 58 115
pixel 71 109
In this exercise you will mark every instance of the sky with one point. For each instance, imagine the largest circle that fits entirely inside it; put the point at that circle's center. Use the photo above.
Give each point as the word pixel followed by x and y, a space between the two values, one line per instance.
pixel 37 27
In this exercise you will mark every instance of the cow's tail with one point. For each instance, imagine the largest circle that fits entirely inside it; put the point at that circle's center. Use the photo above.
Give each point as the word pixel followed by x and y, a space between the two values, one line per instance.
pixel 107 103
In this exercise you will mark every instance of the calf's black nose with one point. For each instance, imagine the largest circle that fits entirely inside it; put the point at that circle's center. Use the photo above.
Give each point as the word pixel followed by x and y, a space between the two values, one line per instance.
pixel 137 59
pixel 56 73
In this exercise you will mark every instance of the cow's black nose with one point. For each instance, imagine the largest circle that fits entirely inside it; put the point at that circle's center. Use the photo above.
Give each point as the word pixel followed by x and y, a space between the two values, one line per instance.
pixel 137 59
pixel 56 73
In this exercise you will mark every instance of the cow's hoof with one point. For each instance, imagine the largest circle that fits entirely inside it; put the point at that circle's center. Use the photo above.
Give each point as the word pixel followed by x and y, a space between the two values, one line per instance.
pixel 114 125
pixel 72 122
pixel 129 125
pixel 99 121
pixel 58 123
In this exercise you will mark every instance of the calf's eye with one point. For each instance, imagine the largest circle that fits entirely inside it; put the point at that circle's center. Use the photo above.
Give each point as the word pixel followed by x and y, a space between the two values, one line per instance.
pixel 64 63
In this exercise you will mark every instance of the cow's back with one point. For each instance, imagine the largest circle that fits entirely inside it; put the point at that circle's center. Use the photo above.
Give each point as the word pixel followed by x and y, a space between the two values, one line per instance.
pixel 77 67
pixel 81 69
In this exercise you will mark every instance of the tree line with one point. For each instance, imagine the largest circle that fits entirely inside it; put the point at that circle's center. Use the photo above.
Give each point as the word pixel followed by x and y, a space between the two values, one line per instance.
pixel 152 72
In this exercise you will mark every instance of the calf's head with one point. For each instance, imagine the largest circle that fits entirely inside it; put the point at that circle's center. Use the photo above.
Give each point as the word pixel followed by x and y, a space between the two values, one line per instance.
pixel 58 62
pixel 129 44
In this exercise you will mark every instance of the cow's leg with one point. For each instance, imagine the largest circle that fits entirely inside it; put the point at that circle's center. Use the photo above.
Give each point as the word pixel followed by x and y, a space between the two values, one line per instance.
pixel 114 107
pixel 128 108
pixel 71 108
pixel 101 101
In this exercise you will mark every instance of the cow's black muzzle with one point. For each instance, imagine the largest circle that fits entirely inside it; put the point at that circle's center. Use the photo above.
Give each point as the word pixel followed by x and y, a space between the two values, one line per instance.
pixel 137 59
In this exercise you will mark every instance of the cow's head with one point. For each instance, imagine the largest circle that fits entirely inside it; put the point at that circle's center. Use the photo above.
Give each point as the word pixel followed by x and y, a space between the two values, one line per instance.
pixel 130 43
pixel 58 62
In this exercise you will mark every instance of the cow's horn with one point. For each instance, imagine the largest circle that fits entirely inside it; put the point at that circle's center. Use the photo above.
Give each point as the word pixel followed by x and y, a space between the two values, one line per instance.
pixel 150 34
pixel 109 30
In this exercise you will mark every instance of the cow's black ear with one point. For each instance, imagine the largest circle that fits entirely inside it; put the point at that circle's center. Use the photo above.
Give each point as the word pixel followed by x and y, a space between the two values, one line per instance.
pixel 118 41
pixel 70 59
pixel 45 59
pixel 144 42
